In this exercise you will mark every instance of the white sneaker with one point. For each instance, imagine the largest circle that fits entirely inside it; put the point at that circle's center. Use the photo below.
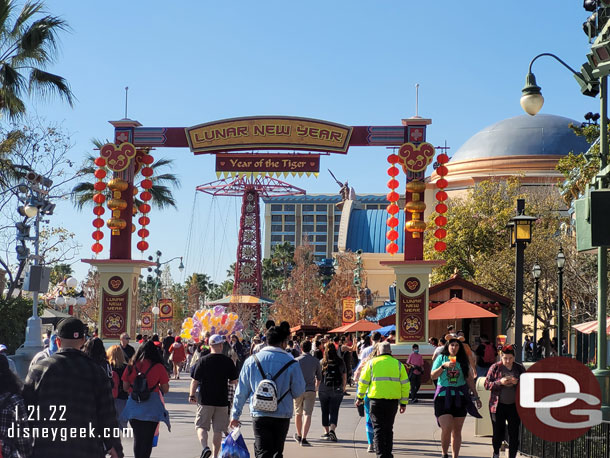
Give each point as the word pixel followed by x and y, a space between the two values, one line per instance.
pixel 371 448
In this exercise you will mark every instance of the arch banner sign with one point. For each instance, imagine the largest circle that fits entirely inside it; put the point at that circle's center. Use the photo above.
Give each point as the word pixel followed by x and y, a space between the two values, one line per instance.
pixel 267 164
pixel 273 132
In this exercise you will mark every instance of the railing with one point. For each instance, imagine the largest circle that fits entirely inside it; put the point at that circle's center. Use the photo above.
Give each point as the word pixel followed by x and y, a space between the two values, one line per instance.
pixel 594 444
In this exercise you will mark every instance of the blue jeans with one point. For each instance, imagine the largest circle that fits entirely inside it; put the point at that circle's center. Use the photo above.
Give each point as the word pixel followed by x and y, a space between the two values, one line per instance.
pixel 330 402
pixel 369 422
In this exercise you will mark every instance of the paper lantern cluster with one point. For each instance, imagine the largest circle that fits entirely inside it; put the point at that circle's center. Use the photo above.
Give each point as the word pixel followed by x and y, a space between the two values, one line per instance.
pixel 441 207
pixel 99 198
pixel 145 196
pixel 392 208
pixel 216 320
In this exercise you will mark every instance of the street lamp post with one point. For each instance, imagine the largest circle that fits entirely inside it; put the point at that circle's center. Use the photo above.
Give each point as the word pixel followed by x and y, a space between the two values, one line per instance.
pixel 155 312
pixel 532 101
pixel 561 260
pixel 157 282
pixel 536 271
pixel 521 234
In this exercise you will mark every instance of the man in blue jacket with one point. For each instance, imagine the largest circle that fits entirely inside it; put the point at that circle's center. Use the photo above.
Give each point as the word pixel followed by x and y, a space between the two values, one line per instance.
pixel 270 427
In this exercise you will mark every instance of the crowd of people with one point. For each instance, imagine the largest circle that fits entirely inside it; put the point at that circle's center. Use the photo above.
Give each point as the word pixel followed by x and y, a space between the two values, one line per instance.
pixel 279 374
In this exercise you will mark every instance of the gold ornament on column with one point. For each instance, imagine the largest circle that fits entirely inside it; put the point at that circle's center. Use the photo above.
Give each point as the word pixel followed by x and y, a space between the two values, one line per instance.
pixel 416 207
pixel 116 204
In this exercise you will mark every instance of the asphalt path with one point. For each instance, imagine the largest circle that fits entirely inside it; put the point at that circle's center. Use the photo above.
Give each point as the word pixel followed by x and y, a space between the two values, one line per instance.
pixel 415 432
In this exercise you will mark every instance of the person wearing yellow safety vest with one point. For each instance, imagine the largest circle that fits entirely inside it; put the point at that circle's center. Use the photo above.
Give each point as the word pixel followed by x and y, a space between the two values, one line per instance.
pixel 385 381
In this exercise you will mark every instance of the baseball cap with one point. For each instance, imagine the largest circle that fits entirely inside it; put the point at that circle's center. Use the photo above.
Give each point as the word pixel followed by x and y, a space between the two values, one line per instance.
pixel 125 336
pixel 3 347
pixel 216 339
pixel 70 328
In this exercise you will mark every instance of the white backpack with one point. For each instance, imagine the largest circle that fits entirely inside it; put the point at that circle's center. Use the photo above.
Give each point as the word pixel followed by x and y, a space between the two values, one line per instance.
pixel 265 396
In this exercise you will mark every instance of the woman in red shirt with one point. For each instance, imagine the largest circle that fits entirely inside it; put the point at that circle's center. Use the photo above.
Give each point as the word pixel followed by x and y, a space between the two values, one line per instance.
pixel 144 416
pixel 178 356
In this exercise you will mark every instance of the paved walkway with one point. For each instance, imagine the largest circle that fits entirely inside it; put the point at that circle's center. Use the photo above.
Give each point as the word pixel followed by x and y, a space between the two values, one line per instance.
pixel 415 432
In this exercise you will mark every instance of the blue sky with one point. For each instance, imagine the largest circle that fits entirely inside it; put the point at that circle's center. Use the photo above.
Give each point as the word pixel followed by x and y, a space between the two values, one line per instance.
pixel 355 63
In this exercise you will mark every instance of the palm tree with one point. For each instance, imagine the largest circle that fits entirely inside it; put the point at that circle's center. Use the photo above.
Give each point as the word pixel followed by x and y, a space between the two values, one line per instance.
pixel 28 43
pixel 162 197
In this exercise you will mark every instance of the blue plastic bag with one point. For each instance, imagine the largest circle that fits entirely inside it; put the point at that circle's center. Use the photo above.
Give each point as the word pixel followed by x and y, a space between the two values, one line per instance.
pixel 234 446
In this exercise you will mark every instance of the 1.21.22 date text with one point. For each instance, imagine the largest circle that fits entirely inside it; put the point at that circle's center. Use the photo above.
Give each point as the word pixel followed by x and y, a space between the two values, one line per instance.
pixel 53 413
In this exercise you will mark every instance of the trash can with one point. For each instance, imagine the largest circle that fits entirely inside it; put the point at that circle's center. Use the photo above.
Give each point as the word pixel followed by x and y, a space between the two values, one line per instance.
pixel 482 426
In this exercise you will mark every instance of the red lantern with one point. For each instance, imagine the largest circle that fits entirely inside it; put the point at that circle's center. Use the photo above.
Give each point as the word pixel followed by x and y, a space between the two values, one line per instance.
pixel 98 222
pixel 147 159
pixel 442 158
pixel 99 211
pixel 440 246
pixel 99 186
pixel 393 183
pixel 392 235
pixel 99 198
pixel 391 248
pixel 441 208
pixel 440 221
pixel 100 161
pixel 392 221
pixel 442 170
pixel 142 245
pixel 146 196
pixel 147 172
pixel 393 196
pixel 440 233
pixel 392 209
pixel 100 174
pixel 97 235
pixel 144 208
pixel 441 196
pixel 143 233
pixel 144 220
pixel 97 247
pixel 442 183
pixel 393 158
pixel 393 171
pixel 146 184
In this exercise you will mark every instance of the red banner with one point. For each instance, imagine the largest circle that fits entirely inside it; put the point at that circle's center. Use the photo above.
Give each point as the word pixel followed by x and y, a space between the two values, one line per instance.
pixel 297 163
pixel 147 321
pixel 349 310
pixel 114 315
pixel 411 317
pixel 166 311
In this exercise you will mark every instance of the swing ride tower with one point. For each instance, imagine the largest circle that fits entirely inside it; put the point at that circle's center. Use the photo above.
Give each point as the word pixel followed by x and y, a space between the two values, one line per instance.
pixel 248 268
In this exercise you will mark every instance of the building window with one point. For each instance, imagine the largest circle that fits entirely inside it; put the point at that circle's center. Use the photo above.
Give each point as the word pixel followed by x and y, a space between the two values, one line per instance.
pixel 321 228
pixel 289 238
pixel 455 293
pixel 336 228
pixel 276 218
pixel 336 238
pixel 289 208
pixel 276 238
pixel 321 218
pixel 308 228
pixel 276 228
pixel 320 238
pixel 289 218
pixel 372 207
pixel 308 218
pixel 289 228
pixel 335 248
pixel 307 208
pixel 276 208
pixel 320 208
pixel 337 218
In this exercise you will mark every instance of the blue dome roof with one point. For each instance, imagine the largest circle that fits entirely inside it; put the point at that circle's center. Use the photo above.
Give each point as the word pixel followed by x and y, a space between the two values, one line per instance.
pixel 542 134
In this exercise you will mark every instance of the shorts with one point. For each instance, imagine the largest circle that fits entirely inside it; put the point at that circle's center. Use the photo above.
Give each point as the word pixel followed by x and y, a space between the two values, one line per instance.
pixel 305 402
pixel 453 410
pixel 217 416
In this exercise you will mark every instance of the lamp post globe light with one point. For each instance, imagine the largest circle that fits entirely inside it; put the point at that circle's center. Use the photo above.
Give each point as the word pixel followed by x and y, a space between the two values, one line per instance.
pixel 536 271
pixel 561 260
pixel 521 234
pixel 591 86
pixel 155 311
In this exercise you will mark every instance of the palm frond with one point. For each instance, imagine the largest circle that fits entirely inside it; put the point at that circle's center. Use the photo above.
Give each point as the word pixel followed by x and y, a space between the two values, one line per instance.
pixel 29 10
pixel 162 163
pixel 45 84
pixel 162 197
pixel 169 178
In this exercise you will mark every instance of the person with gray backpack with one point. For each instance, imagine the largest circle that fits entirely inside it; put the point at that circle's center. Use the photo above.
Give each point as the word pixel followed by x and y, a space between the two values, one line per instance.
pixel 271 379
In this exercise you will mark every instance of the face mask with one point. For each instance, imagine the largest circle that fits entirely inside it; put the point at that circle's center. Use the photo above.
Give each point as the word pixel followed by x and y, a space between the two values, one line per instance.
pixel 415 351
